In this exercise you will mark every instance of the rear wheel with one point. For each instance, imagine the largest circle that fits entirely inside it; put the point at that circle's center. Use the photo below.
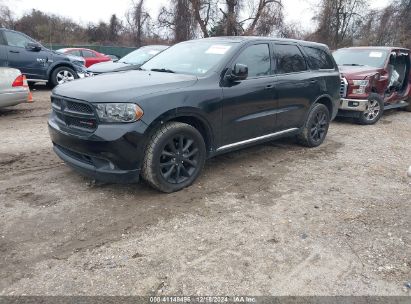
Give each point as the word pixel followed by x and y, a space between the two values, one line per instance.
pixel 373 112
pixel 408 108
pixel 62 75
pixel 316 127
pixel 174 157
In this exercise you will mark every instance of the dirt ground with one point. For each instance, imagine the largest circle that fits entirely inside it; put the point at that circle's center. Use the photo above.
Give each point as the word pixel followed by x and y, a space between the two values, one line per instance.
pixel 276 219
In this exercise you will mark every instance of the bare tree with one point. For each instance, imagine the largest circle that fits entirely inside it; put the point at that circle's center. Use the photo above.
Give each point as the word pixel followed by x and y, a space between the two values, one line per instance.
pixel 137 19
pixel 338 21
pixel 204 11
pixel 265 14
pixel 178 18
pixel 6 17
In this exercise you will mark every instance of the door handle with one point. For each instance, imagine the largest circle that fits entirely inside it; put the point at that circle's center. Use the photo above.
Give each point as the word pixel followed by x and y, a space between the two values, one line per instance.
pixel 15 52
pixel 269 86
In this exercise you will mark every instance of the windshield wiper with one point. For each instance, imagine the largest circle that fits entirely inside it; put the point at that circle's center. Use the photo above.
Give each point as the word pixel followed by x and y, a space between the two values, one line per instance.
pixel 353 64
pixel 163 70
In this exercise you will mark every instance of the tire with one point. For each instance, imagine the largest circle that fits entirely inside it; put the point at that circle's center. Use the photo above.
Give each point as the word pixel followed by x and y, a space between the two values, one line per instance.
pixel 316 127
pixel 170 166
pixel 62 75
pixel 375 109
pixel 408 108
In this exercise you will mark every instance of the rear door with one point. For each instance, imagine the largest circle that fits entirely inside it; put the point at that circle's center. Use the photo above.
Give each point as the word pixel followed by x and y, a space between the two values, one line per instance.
pixel 32 64
pixel 249 108
pixel 296 86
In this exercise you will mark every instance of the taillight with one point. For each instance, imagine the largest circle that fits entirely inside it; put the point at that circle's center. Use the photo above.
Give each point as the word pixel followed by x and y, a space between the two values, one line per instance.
pixel 20 81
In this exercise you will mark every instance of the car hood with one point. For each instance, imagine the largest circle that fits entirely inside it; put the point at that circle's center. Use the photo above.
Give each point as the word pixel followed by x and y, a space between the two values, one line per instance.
pixel 106 67
pixel 357 72
pixel 123 86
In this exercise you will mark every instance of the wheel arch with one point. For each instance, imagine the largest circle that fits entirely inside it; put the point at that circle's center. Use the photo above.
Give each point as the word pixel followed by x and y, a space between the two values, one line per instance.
pixel 57 65
pixel 327 101
pixel 191 117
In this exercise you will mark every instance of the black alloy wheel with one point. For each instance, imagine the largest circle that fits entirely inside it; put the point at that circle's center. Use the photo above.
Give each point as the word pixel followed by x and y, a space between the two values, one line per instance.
pixel 179 159
pixel 174 157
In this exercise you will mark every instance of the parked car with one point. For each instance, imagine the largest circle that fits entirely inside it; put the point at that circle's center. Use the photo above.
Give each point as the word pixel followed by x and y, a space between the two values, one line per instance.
pixel 131 61
pixel 14 88
pixel 114 58
pixel 90 56
pixel 374 79
pixel 193 101
pixel 36 62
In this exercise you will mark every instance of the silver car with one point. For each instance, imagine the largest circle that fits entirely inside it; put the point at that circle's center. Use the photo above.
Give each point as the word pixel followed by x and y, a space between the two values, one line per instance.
pixel 13 88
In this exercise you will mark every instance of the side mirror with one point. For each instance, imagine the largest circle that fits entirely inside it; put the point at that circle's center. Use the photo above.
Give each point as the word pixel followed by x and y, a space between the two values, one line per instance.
pixel 239 72
pixel 33 47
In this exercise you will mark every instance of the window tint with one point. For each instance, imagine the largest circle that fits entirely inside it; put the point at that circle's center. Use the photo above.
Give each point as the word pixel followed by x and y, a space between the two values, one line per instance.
pixel 88 54
pixel 257 58
pixel 75 53
pixel 16 39
pixel 288 59
pixel 318 59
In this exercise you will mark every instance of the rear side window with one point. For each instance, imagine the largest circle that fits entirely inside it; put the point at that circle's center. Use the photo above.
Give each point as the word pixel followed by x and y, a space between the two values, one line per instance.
pixel 318 59
pixel 88 54
pixel 288 59
pixel 257 58
pixel 75 53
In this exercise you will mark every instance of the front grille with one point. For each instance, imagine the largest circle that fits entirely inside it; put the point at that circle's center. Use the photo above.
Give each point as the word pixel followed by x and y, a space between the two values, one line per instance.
pixel 343 88
pixel 73 114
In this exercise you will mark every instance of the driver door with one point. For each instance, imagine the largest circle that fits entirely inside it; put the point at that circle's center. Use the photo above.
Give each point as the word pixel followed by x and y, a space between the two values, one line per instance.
pixel 30 63
pixel 249 106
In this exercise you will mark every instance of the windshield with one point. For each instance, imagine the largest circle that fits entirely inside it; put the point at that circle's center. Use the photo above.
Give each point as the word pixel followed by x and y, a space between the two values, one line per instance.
pixel 140 56
pixel 194 57
pixel 373 58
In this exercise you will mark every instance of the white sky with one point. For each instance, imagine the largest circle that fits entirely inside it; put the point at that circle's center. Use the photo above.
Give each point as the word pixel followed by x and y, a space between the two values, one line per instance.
pixel 84 11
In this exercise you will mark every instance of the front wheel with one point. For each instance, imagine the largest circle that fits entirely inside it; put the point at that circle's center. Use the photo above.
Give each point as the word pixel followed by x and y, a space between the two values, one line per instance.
pixel 62 75
pixel 316 127
pixel 373 111
pixel 174 157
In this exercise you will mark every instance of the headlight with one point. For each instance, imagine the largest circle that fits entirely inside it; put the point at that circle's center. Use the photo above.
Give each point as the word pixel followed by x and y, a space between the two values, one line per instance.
pixel 361 83
pixel 119 112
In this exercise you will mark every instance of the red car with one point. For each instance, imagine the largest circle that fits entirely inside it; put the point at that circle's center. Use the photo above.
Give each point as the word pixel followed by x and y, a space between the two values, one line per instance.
pixel 91 56
pixel 373 79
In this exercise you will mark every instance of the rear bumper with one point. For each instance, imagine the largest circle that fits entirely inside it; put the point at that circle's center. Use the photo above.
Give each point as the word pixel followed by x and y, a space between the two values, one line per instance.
pixel 8 99
pixel 358 105
pixel 111 154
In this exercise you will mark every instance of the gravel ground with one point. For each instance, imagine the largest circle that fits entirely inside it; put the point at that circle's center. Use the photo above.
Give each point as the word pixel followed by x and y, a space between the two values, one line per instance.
pixel 276 219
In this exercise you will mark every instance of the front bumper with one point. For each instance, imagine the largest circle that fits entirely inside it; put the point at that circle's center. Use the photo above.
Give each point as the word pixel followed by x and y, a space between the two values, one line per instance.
pixel 113 153
pixel 359 105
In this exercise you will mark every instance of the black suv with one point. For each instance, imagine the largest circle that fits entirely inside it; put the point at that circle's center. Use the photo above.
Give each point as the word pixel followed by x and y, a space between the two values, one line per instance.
pixel 193 101
pixel 38 63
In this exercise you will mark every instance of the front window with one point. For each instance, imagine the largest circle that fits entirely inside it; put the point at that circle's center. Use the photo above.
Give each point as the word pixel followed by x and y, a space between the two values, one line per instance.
pixel 353 57
pixel 193 58
pixel 139 56
pixel 257 59
pixel 16 39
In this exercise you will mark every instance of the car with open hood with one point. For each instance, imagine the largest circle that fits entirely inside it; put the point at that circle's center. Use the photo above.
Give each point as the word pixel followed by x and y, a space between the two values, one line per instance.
pixel 191 102
pixel 373 79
